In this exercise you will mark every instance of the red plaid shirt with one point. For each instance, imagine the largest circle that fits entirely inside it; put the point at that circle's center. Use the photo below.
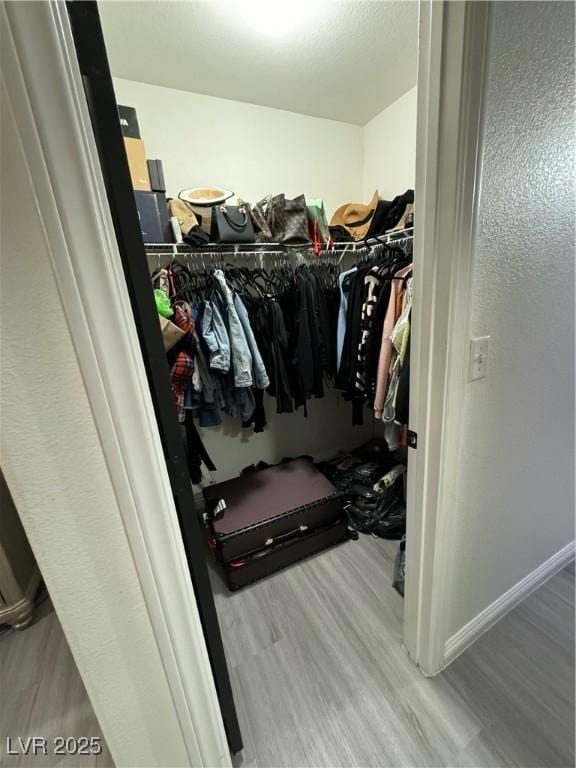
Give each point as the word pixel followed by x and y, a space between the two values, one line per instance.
pixel 183 368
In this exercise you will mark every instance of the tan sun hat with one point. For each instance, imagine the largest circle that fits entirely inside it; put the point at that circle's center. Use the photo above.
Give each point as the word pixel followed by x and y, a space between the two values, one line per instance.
pixel 205 195
pixel 184 213
pixel 355 217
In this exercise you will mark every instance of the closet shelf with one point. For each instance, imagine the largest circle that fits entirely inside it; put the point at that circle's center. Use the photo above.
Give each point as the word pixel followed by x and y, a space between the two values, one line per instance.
pixel 274 248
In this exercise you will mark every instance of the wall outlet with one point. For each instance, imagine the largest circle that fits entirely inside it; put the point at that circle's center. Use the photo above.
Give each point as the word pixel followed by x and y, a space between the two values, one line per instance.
pixel 478 363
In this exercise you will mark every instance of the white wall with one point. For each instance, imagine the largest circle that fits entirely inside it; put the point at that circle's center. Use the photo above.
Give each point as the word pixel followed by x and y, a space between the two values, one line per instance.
pixel 327 430
pixel 251 150
pixel 53 462
pixel 254 150
pixel 390 149
pixel 515 494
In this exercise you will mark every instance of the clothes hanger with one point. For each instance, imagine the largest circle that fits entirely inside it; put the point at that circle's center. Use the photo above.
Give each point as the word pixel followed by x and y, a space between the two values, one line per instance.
pixel 251 281
pixel 179 278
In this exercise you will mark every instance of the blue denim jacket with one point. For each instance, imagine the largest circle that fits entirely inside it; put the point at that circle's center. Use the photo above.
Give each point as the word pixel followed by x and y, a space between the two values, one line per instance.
pixel 241 356
pixel 215 335
pixel 261 380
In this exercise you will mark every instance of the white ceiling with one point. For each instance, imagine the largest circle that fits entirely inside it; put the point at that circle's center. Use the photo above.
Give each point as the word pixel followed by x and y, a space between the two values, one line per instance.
pixel 342 60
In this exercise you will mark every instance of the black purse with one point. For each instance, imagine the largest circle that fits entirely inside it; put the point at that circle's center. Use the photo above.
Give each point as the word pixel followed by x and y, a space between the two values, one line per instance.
pixel 231 224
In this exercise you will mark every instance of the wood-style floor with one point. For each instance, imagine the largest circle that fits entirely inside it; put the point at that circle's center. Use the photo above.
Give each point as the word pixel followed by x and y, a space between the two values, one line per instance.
pixel 320 677
pixel 42 694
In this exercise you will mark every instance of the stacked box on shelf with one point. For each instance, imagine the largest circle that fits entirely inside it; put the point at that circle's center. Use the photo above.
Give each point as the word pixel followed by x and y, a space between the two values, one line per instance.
pixel 149 187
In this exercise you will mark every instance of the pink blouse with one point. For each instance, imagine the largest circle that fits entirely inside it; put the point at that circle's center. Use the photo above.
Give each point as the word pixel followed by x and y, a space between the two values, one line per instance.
pixel 385 357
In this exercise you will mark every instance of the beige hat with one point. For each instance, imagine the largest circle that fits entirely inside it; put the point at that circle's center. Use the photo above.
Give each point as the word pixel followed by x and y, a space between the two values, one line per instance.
pixel 201 200
pixel 355 217
pixel 204 196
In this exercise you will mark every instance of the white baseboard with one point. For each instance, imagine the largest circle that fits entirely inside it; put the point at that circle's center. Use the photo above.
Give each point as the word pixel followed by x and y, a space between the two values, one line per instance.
pixel 471 631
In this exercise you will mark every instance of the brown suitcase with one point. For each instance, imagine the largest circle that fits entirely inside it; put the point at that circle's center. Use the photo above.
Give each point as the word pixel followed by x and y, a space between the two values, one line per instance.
pixel 265 562
pixel 273 518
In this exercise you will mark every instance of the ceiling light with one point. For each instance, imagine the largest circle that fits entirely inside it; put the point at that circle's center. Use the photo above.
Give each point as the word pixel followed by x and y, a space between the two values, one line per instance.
pixel 274 17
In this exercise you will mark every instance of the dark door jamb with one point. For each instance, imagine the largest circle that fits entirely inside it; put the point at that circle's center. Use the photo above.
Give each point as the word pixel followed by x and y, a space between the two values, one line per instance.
pixel 98 86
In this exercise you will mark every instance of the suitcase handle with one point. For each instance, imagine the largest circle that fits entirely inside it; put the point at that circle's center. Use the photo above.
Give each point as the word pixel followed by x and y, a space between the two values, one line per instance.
pixel 285 536
pixel 293 534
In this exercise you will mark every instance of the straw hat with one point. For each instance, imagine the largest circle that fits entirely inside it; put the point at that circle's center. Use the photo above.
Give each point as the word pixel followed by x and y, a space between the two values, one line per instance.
pixel 204 196
pixel 201 201
pixel 356 217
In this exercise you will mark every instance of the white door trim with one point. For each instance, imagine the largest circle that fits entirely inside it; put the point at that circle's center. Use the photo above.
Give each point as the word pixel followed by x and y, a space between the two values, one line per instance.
pixel 450 86
pixel 44 85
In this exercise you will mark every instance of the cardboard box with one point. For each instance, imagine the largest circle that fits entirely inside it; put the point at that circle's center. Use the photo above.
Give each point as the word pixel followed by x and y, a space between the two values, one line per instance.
pixel 136 154
pixel 128 122
pixel 153 215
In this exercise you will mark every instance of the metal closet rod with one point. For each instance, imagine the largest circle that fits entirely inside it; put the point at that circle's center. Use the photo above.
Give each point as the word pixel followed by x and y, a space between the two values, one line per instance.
pixel 274 248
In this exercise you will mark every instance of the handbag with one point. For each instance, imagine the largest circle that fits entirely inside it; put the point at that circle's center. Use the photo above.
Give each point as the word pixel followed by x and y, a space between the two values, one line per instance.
pixel 171 334
pixel 317 224
pixel 288 219
pixel 263 233
pixel 231 224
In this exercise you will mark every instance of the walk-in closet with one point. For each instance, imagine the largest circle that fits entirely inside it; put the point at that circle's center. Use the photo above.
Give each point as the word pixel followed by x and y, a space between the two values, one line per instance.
pixel 269 366
pixel 271 150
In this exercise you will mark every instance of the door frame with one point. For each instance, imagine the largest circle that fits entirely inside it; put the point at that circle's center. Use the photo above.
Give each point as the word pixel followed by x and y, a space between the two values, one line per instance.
pixel 451 63
pixel 101 100
pixel 91 281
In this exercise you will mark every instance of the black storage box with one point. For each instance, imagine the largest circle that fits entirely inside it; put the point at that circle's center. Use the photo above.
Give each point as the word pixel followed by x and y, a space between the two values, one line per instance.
pixel 274 517
pixel 153 214
pixel 128 122
pixel 156 173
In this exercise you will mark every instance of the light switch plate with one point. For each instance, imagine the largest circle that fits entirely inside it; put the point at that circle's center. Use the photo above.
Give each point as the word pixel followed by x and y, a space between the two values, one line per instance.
pixel 478 363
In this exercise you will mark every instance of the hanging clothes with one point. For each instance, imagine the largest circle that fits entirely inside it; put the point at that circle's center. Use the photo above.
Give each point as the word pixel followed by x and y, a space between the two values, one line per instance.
pixel 344 288
pixel 291 332
pixel 256 331
pixel 374 280
pixel 260 377
pixel 215 335
pixel 374 340
pixel 403 393
pixel 182 369
pixel 400 338
pixel 196 453
pixel 241 356
pixel 270 329
pixel 365 296
pixel 385 356
pixel 346 376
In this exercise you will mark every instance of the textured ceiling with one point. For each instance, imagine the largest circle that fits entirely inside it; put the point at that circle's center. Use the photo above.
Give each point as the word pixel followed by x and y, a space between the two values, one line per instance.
pixel 341 60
